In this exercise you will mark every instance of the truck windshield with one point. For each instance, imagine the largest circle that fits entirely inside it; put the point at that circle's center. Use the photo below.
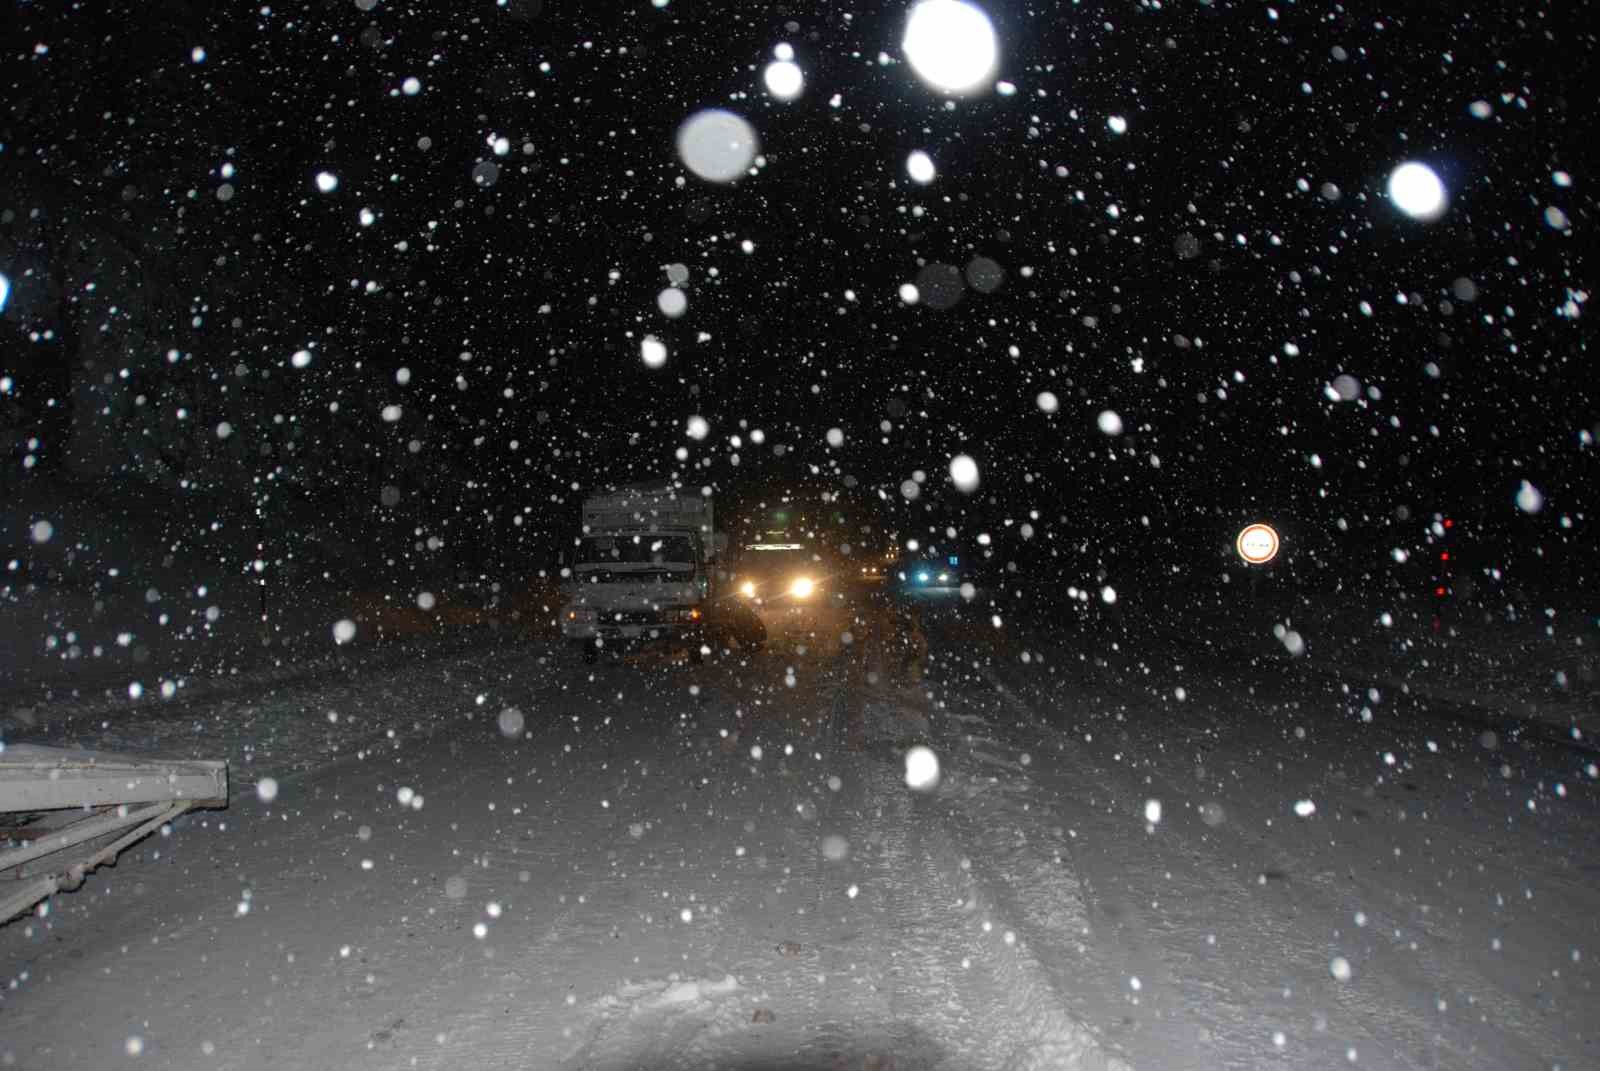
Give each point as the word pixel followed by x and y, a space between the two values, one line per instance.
pixel 637 550
pixel 768 559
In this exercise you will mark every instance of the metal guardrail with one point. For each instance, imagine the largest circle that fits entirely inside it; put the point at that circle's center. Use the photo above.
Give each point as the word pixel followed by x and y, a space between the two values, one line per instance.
pixel 110 801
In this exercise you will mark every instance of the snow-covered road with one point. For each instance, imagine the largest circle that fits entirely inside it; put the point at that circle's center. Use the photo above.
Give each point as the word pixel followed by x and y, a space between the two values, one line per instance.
pixel 1156 859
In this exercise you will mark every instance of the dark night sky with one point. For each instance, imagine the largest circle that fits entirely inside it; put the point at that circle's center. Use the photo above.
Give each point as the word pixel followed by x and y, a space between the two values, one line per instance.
pixel 1175 313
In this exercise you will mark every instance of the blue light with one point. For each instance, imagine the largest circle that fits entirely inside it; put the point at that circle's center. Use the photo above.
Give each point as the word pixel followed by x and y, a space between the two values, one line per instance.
pixel 922 578
pixel 5 291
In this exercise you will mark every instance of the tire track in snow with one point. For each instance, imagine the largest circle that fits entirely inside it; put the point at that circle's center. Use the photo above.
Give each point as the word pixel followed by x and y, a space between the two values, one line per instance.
pixel 1130 938
pixel 892 964
pixel 1286 903
pixel 1160 945
pixel 1003 1008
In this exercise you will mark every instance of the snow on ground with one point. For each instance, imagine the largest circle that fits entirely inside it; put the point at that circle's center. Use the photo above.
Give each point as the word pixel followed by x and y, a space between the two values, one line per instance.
pixel 1408 890
pixel 650 864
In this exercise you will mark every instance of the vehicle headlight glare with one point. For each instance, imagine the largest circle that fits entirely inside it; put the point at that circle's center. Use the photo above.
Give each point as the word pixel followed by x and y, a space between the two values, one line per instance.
pixel 748 589
pixel 802 587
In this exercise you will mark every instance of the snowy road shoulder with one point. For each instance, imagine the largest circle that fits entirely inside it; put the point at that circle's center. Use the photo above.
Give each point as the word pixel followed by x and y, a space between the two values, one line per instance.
pixel 1269 877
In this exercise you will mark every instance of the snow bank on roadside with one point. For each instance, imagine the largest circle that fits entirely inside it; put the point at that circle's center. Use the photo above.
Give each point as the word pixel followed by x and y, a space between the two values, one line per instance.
pixel 1536 663
pixel 109 599
pixel 276 726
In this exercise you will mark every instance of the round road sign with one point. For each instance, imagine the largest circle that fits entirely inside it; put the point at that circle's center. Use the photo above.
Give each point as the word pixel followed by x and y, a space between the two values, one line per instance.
pixel 1257 543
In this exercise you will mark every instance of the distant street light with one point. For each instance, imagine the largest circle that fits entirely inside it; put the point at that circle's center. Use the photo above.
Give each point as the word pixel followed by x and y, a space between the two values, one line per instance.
pixel 1257 543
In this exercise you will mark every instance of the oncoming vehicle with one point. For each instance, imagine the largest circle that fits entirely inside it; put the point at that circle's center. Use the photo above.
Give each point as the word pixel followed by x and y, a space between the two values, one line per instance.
pixel 874 571
pixel 797 591
pixel 931 575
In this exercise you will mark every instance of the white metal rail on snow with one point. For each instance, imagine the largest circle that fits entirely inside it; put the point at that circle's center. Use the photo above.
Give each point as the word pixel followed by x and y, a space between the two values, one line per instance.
pixel 85 807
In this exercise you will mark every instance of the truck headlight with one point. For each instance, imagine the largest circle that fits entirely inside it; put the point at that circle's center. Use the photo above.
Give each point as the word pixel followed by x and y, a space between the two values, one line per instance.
pixel 747 588
pixel 802 587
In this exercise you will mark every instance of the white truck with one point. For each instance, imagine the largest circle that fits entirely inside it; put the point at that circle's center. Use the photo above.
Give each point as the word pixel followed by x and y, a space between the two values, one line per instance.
pixel 642 570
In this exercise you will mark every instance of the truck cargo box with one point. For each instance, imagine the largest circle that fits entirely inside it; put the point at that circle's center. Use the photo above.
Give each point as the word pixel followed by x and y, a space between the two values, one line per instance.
pixel 649 507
